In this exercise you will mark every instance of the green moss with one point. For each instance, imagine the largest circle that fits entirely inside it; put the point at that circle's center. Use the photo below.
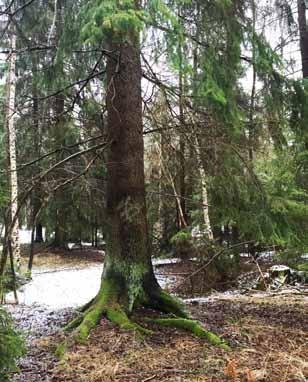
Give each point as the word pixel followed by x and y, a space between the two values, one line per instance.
pixel 114 301
pixel 119 317
pixel 193 327
pixel 74 323
pixel 90 320
pixel 61 350
pixel 107 302
pixel 28 275
pixel 134 283
pixel 106 297
pixel 303 267
pixel 169 304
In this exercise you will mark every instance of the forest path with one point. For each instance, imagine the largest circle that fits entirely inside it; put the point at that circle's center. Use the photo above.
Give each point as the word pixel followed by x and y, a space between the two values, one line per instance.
pixel 68 285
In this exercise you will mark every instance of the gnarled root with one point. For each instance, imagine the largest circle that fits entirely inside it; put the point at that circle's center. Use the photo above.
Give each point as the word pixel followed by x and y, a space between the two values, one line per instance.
pixel 84 324
pixel 169 304
pixel 193 327
pixel 107 303
pixel 164 302
pixel 111 302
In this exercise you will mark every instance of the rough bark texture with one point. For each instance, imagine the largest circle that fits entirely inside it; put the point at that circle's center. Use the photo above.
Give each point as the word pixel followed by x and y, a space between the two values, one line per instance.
pixel 128 280
pixel 36 199
pixel 303 34
pixel 60 137
pixel 127 231
pixel 60 240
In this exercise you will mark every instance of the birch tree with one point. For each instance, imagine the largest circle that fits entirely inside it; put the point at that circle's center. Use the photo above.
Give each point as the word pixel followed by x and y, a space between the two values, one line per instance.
pixel 11 148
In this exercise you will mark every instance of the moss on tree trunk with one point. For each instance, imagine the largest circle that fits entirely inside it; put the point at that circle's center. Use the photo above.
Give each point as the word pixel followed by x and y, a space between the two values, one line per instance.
pixel 128 279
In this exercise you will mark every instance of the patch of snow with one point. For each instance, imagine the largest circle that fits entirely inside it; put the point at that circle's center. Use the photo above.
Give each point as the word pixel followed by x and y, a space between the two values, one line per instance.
pixel 214 296
pixel 279 268
pixel 266 255
pixel 245 255
pixel 64 288
pixel 174 260
pixel 157 262
pixel 25 235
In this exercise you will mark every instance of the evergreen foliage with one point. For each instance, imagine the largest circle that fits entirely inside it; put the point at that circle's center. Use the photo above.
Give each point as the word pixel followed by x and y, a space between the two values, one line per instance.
pixel 207 49
pixel 11 346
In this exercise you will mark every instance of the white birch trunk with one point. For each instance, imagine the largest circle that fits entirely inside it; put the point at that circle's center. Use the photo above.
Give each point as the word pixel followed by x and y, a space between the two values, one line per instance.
pixel 11 135
pixel 204 197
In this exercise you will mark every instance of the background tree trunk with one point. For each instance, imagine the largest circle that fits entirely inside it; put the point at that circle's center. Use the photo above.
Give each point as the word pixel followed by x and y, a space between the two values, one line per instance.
pixel 303 35
pixel 11 138
pixel 60 131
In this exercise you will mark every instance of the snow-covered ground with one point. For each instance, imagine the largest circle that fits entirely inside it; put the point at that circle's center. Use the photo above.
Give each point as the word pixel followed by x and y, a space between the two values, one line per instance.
pixel 57 289
pixel 24 235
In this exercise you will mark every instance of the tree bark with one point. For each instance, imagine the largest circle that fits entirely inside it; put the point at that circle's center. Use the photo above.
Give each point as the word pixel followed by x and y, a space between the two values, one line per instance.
pixel 39 233
pixel 303 35
pixel 128 278
pixel 128 251
pixel 251 126
pixel 11 138
pixel 182 221
pixel 205 200
pixel 36 200
pixel 198 144
pixel 60 131
pixel 60 239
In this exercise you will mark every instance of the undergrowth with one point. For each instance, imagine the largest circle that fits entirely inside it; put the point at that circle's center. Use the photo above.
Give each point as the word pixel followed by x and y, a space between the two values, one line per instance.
pixel 12 346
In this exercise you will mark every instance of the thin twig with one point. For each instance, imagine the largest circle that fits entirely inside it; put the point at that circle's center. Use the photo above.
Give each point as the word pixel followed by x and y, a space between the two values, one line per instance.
pixel 217 254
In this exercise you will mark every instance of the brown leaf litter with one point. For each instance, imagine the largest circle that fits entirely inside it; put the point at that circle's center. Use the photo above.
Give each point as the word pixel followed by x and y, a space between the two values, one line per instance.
pixel 270 344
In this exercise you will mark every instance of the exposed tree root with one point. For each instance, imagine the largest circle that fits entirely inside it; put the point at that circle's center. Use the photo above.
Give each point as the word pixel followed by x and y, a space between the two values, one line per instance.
pixel 164 302
pixel 83 324
pixel 111 303
pixel 118 316
pixel 107 303
pixel 74 323
pixel 193 327
pixel 84 307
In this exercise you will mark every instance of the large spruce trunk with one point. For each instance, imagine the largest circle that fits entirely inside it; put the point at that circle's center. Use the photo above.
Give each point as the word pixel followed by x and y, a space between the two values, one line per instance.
pixel 128 280
pixel 128 251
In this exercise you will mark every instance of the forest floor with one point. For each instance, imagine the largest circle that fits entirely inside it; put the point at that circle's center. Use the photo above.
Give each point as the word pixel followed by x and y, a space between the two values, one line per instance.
pixel 46 257
pixel 268 334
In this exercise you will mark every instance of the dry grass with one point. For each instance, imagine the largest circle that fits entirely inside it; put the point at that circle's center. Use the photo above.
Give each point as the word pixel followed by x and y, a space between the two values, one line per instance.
pixel 48 258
